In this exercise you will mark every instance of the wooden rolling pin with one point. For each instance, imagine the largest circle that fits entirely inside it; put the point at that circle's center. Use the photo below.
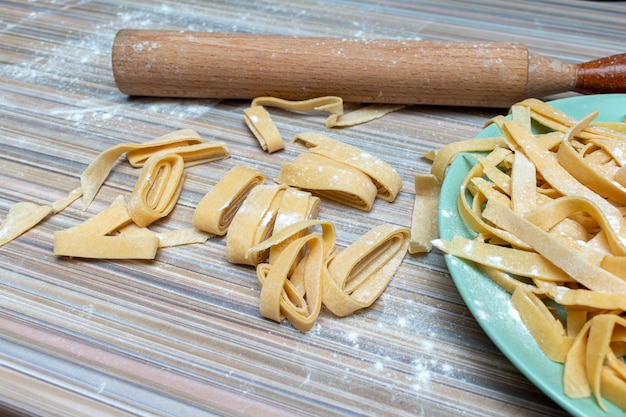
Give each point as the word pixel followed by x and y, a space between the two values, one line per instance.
pixel 244 66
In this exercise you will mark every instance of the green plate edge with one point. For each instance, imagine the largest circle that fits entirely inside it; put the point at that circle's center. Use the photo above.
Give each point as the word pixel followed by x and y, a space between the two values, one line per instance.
pixel 490 304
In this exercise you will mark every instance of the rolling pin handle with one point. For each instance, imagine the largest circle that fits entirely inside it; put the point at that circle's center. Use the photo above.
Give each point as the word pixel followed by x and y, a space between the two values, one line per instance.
pixel 604 75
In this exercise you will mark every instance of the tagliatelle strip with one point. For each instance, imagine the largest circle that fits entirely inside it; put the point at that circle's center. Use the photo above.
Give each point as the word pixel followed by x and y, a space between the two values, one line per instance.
pixel 363 115
pixel 545 328
pixel 385 178
pixel 216 209
pixel 263 128
pixel 361 272
pixel 296 206
pixel 514 261
pixel 560 196
pixel 253 223
pixel 24 216
pixel 21 218
pixel 424 222
pixel 328 178
pixel 295 295
pixel 444 156
pixel 78 245
pixel 331 104
pixel 95 174
pixel 157 189
pixel 193 154
pixel 92 238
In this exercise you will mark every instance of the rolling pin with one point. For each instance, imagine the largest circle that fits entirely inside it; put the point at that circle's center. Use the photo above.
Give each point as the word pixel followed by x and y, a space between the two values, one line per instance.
pixel 245 66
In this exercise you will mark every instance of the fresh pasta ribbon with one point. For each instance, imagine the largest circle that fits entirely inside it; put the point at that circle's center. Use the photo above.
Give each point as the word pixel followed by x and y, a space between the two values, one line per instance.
pixel 514 261
pixel 94 239
pixel 363 114
pixel 157 189
pixel 216 209
pixel 334 105
pixel 328 178
pixel 263 128
pixel 549 218
pixel 424 221
pixel 21 218
pixel 331 104
pixel 253 223
pixel 192 154
pixel 544 327
pixel 95 174
pixel 361 272
pixel 444 156
pixel 296 206
pixel 291 287
pixel 564 257
pixel 78 245
pixel 385 178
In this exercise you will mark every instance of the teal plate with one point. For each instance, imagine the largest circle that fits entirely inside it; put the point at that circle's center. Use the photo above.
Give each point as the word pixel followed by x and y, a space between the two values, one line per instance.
pixel 490 304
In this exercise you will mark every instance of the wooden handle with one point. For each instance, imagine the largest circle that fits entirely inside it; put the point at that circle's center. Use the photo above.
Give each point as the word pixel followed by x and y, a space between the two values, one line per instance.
pixel 244 66
pixel 604 75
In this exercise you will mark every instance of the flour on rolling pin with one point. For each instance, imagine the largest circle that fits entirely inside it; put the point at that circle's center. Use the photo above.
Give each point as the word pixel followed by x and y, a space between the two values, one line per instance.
pixel 245 66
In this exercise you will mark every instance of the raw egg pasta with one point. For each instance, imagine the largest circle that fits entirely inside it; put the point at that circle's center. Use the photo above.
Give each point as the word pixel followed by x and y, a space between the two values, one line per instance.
pixel 216 209
pixel 548 212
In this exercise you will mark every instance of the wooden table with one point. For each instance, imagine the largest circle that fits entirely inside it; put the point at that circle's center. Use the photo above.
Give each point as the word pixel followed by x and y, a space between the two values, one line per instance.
pixel 181 335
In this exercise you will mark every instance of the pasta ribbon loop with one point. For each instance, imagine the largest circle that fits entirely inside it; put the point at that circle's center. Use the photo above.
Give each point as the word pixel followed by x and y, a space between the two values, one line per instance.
pixel 385 178
pixel 157 189
pixel 291 287
pixel 361 272
pixel 216 209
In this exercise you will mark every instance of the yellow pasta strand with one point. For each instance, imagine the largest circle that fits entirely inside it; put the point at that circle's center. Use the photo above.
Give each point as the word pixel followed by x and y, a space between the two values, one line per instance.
pixel 157 189
pixel 216 209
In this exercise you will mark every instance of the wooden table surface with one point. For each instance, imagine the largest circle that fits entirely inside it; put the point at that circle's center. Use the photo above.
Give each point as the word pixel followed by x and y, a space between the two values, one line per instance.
pixel 181 335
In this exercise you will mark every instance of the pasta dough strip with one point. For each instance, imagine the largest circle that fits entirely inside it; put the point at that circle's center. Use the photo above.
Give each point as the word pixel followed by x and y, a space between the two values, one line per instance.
pixel 591 276
pixel 263 128
pixel 514 261
pixel 157 189
pixel 216 209
pixel 330 179
pixel 424 221
pixel 278 293
pixel 559 178
pixel 361 272
pixel 296 206
pixel 386 179
pixel 21 218
pixel 253 223
pixel 95 174
pixel 105 247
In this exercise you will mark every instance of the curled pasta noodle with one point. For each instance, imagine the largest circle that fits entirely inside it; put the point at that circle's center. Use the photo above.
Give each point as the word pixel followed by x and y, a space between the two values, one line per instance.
pixel 253 223
pixel 157 189
pixel 95 174
pixel 192 154
pixel 291 287
pixel 386 179
pixel 331 104
pixel 216 209
pixel 328 178
pixel 296 206
pixel 361 272
pixel 263 128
